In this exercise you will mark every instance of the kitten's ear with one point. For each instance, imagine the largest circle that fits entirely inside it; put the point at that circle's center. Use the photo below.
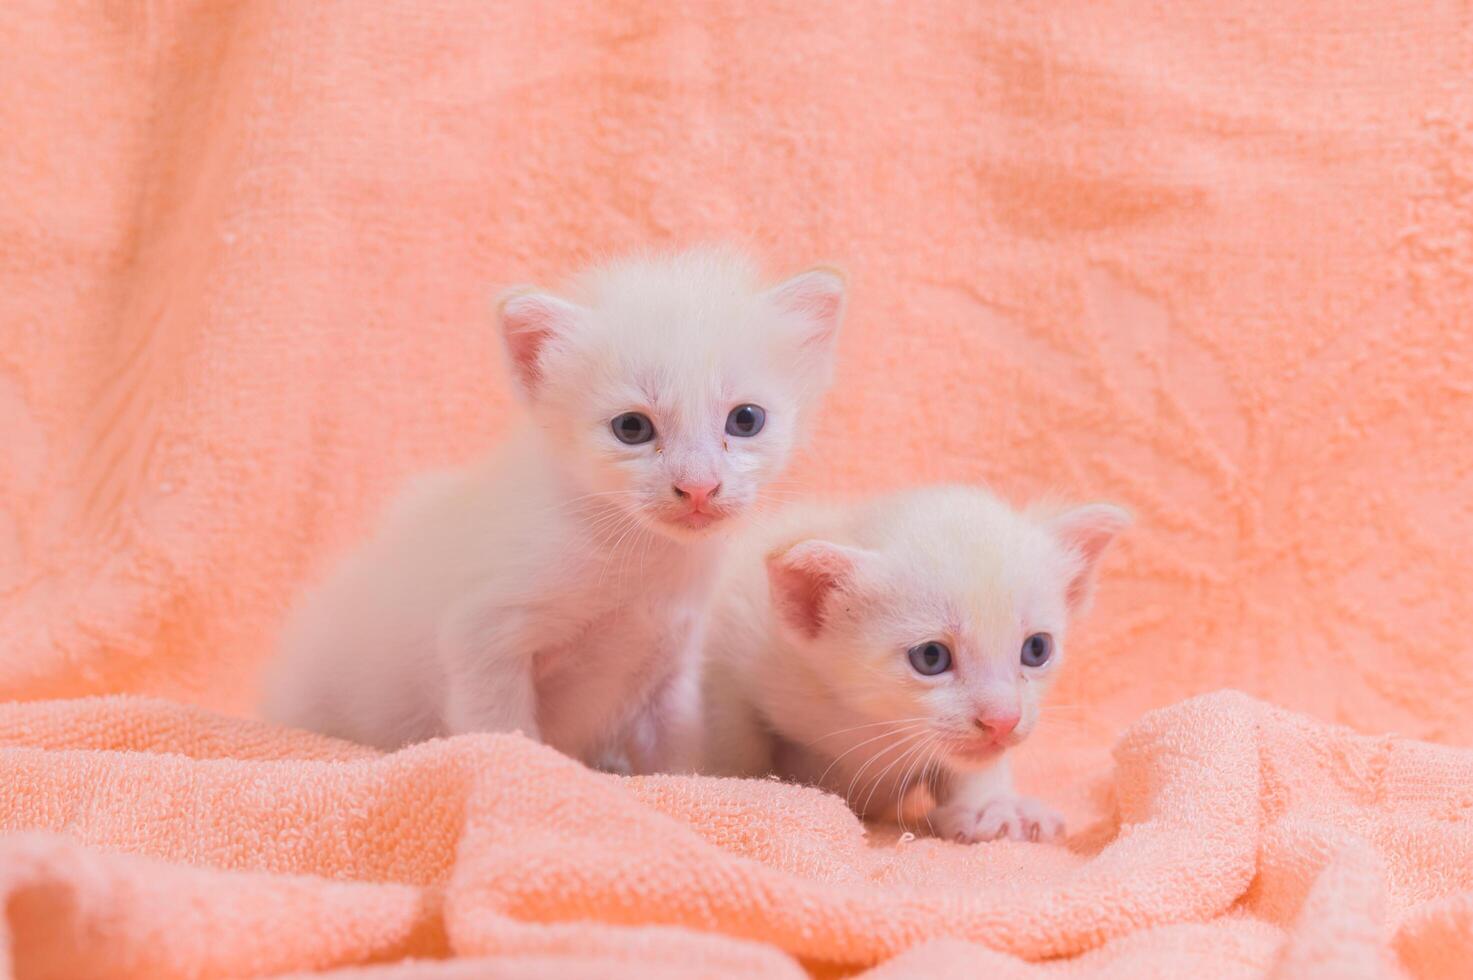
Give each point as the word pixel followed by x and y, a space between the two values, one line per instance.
pixel 816 298
pixel 529 321
pixel 1087 531
pixel 803 577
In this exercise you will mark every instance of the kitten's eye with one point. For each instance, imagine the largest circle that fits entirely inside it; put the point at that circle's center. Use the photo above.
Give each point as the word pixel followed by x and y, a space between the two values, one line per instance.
pixel 745 421
pixel 930 659
pixel 633 428
pixel 1037 649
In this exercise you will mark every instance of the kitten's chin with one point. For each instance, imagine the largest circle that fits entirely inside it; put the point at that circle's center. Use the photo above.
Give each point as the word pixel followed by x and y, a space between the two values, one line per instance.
pixel 971 755
pixel 692 525
pixel 695 522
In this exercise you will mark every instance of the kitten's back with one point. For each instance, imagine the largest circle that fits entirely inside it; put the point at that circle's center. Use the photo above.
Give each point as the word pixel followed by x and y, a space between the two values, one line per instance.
pixel 358 657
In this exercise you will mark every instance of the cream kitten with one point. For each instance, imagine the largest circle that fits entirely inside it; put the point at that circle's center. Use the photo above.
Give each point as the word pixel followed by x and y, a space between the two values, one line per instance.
pixel 905 642
pixel 560 587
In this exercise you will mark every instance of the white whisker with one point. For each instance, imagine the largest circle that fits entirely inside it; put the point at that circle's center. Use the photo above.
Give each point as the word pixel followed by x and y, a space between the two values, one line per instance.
pixel 852 748
pixel 848 795
pixel 855 728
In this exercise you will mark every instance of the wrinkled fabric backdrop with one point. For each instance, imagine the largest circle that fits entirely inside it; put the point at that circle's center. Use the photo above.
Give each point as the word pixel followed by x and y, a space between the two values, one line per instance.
pixel 1214 262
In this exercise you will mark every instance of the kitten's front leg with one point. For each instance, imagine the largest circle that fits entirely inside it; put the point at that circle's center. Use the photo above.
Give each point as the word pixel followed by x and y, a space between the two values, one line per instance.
pixel 978 806
pixel 667 734
pixel 486 653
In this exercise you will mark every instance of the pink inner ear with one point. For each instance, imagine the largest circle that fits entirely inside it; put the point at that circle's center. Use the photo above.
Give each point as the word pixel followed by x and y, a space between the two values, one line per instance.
pixel 801 581
pixel 1088 531
pixel 821 308
pixel 1081 588
pixel 818 297
pixel 528 322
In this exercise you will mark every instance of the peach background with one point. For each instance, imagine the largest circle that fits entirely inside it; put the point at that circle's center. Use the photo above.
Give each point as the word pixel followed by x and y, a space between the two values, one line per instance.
pixel 1212 261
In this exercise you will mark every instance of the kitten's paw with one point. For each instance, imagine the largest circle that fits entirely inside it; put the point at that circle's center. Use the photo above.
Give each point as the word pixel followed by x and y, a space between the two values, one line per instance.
pixel 1007 817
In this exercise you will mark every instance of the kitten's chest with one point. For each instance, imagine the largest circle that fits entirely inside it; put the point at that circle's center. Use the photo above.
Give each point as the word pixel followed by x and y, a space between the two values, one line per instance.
pixel 619 641
pixel 632 621
pixel 590 687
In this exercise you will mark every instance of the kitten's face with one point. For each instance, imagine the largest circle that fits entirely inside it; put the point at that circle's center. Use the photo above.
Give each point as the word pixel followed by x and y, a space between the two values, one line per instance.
pixel 677 395
pixel 684 447
pixel 950 630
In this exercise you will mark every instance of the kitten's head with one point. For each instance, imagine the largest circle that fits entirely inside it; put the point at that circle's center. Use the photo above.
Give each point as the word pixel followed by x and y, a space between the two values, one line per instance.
pixel 675 387
pixel 945 617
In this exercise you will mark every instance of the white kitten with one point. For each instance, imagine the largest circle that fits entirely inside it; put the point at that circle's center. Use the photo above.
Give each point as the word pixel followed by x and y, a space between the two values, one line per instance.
pixel 906 642
pixel 560 588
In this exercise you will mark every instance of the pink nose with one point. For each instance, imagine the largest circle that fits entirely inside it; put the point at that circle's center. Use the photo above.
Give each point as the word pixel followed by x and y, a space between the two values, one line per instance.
pixel 996 724
pixel 697 493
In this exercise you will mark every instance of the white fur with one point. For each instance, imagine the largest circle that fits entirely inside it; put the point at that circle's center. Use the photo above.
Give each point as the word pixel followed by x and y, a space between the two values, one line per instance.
pixel 808 675
pixel 560 587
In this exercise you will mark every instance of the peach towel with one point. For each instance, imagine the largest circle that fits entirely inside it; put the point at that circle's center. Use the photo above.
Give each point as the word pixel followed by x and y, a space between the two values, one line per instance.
pixel 143 839
pixel 1211 260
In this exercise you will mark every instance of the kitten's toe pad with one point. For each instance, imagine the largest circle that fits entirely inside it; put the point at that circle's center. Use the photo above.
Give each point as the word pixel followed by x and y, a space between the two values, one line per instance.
pixel 1005 818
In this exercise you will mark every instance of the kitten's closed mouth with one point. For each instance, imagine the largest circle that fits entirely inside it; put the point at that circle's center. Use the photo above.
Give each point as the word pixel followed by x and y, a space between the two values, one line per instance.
pixel 696 520
pixel 975 750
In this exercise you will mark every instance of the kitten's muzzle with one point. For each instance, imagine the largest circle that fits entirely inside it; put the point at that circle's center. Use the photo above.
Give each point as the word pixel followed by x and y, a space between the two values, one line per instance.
pixel 697 494
pixel 974 751
pixel 695 506
pixel 694 520
pixel 997 725
pixel 992 733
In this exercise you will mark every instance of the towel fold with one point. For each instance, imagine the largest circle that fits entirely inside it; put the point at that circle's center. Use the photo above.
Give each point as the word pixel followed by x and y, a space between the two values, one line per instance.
pixel 143 839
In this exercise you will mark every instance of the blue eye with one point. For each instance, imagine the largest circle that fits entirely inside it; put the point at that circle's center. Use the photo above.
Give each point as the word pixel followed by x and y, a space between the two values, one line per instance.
pixel 1037 649
pixel 633 428
pixel 745 421
pixel 930 659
